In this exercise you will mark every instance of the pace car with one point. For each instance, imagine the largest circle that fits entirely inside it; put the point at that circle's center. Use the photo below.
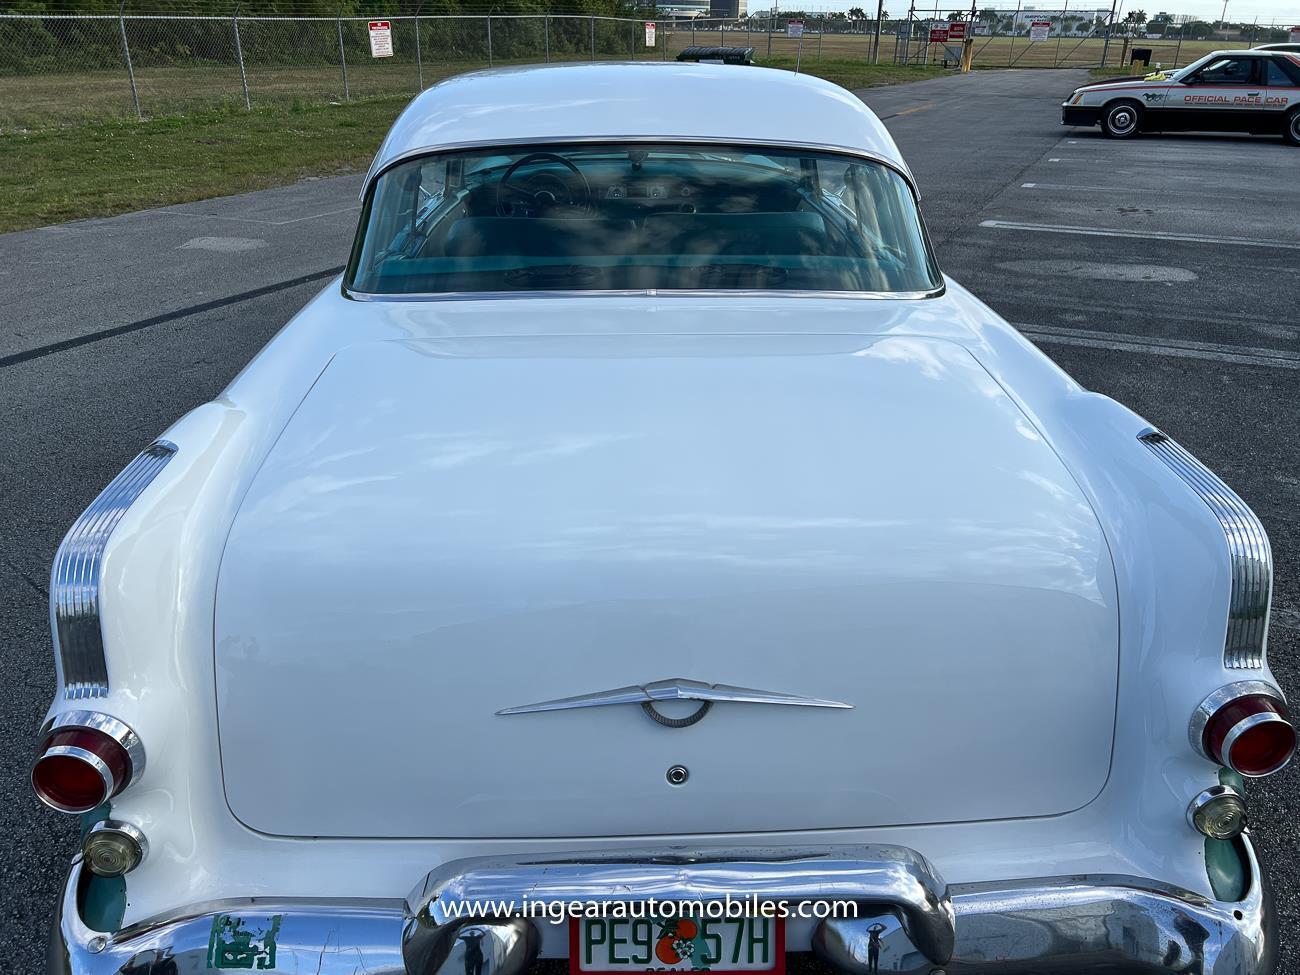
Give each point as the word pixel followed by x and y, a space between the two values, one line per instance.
pixel 1256 91
pixel 644 521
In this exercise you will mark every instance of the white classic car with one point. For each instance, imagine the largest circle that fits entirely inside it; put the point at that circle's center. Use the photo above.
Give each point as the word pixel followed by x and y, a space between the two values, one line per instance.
pixel 1256 91
pixel 643 523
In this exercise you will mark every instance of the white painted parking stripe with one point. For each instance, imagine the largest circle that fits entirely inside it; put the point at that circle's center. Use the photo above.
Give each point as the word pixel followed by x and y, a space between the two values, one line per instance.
pixel 1178 348
pixel 1051 228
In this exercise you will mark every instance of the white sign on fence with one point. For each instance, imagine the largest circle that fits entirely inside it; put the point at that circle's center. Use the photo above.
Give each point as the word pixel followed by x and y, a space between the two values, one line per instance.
pixel 381 39
pixel 794 28
pixel 650 33
pixel 1295 35
pixel 1039 30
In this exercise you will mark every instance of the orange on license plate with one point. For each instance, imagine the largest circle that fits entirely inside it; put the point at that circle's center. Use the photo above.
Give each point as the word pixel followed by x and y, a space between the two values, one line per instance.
pixel 678 944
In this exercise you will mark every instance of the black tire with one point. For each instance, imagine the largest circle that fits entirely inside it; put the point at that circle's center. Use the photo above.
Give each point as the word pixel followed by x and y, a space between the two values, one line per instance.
pixel 1291 131
pixel 1121 119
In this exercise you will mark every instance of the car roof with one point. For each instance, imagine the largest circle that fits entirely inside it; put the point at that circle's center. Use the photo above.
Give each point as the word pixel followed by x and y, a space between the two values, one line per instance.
pixel 656 100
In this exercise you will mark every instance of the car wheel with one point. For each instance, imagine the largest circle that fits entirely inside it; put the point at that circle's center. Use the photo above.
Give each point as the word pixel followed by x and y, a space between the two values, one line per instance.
pixel 1292 131
pixel 1121 120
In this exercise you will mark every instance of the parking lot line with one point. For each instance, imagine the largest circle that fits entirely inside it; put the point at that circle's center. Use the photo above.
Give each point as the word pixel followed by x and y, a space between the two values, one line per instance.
pixel 1177 348
pixel 1051 228
pixel 107 333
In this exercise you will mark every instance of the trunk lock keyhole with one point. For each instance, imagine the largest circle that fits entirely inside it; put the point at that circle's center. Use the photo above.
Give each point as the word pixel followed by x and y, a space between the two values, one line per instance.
pixel 677 775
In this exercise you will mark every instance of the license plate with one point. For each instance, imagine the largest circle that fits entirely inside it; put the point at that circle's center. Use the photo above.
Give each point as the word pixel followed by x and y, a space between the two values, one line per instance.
pixel 679 944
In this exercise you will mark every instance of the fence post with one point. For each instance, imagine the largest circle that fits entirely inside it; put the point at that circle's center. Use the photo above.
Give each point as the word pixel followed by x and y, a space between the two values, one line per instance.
pixel 1105 47
pixel 489 32
pixel 1179 50
pixel 634 26
pixel 1060 35
pixel 771 23
pixel 593 37
pixel 875 43
pixel 820 34
pixel 343 60
pixel 419 59
pixel 126 52
pixel 1015 25
pixel 548 38
pixel 239 53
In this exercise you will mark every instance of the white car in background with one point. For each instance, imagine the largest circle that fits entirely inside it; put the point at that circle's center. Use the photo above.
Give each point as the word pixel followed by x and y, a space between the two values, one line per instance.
pixel 644 516
pixel 1256 91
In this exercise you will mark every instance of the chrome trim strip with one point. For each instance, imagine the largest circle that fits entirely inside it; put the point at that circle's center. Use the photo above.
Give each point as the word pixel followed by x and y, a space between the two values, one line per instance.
pixel 1049 926
pixel 676 689
pixel 118 730
pixel 878 875
pixel 644 293
pixel 378 168
pixel 1249 554
pixel 74 576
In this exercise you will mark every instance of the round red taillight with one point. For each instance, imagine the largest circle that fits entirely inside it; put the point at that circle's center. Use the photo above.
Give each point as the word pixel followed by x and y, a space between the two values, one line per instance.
pixel 76 769
pixel 1251 734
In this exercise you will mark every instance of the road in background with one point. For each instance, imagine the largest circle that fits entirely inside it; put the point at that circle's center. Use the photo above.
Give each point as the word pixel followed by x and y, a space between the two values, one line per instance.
pixel 1160 272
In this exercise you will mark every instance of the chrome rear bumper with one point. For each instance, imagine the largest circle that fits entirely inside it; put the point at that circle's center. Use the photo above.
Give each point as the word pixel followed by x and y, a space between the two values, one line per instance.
pixel 1076 924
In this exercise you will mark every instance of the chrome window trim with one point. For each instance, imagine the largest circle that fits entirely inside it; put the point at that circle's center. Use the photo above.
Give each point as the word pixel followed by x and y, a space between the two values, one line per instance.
pixel 74 576
pixel 602 140
pixel 1250 558
pixel 642 293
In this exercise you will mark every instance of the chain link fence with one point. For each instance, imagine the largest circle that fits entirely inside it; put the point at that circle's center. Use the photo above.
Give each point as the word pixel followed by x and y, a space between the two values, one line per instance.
pixel 56 68
pixel 1083 37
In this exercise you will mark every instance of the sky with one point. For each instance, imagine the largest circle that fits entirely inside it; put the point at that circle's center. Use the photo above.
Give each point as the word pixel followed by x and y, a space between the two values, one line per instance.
pixel 1283 12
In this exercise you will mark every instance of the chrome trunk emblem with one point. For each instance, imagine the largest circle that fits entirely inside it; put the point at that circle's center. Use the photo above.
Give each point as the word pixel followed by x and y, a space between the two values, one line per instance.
pixel 676 689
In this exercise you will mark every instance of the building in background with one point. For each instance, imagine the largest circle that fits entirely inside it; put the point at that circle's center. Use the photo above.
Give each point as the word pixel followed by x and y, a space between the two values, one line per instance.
pixel 683 8
pixel 730 9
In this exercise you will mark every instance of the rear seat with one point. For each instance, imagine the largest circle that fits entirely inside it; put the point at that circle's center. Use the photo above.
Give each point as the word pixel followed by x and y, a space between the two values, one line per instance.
pixel 540 237
pixel 789 232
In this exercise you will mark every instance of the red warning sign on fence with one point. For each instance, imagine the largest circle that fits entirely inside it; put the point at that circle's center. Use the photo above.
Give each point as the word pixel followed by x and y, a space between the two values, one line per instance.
pixel 957 31
pixel 381 39
pixel 939 32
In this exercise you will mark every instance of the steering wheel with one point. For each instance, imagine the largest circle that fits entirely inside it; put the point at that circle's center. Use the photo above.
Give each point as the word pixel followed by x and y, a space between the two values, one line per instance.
pixel 545 192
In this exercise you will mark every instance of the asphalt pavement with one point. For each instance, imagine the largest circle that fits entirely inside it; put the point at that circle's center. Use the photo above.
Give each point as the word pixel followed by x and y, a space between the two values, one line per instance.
pixel 1161 272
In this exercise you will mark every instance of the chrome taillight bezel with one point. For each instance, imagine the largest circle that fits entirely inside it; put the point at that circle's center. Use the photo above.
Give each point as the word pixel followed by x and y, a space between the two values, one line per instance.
pixel 1214 703
pixel 114 729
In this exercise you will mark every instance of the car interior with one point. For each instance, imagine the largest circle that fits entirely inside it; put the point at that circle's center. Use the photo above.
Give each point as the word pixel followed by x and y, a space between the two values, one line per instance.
pixel 641 218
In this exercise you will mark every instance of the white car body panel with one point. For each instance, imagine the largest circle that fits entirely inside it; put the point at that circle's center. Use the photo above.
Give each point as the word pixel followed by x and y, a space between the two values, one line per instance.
pixel 572 102
pixel 750 512
pixel 1169 562
pixel 240 545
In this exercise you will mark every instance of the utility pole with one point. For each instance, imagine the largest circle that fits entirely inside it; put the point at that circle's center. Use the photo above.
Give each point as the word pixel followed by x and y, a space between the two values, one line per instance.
pixel 968 44
pixel 1105 48
pixel 875 44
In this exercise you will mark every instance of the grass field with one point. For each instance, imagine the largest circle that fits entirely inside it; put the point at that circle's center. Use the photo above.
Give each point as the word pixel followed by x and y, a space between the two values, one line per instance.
pixel 42 100
pixel 98 167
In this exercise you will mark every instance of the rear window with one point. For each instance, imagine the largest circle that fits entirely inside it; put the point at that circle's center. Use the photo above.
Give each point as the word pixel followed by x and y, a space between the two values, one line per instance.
pixel 641 217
